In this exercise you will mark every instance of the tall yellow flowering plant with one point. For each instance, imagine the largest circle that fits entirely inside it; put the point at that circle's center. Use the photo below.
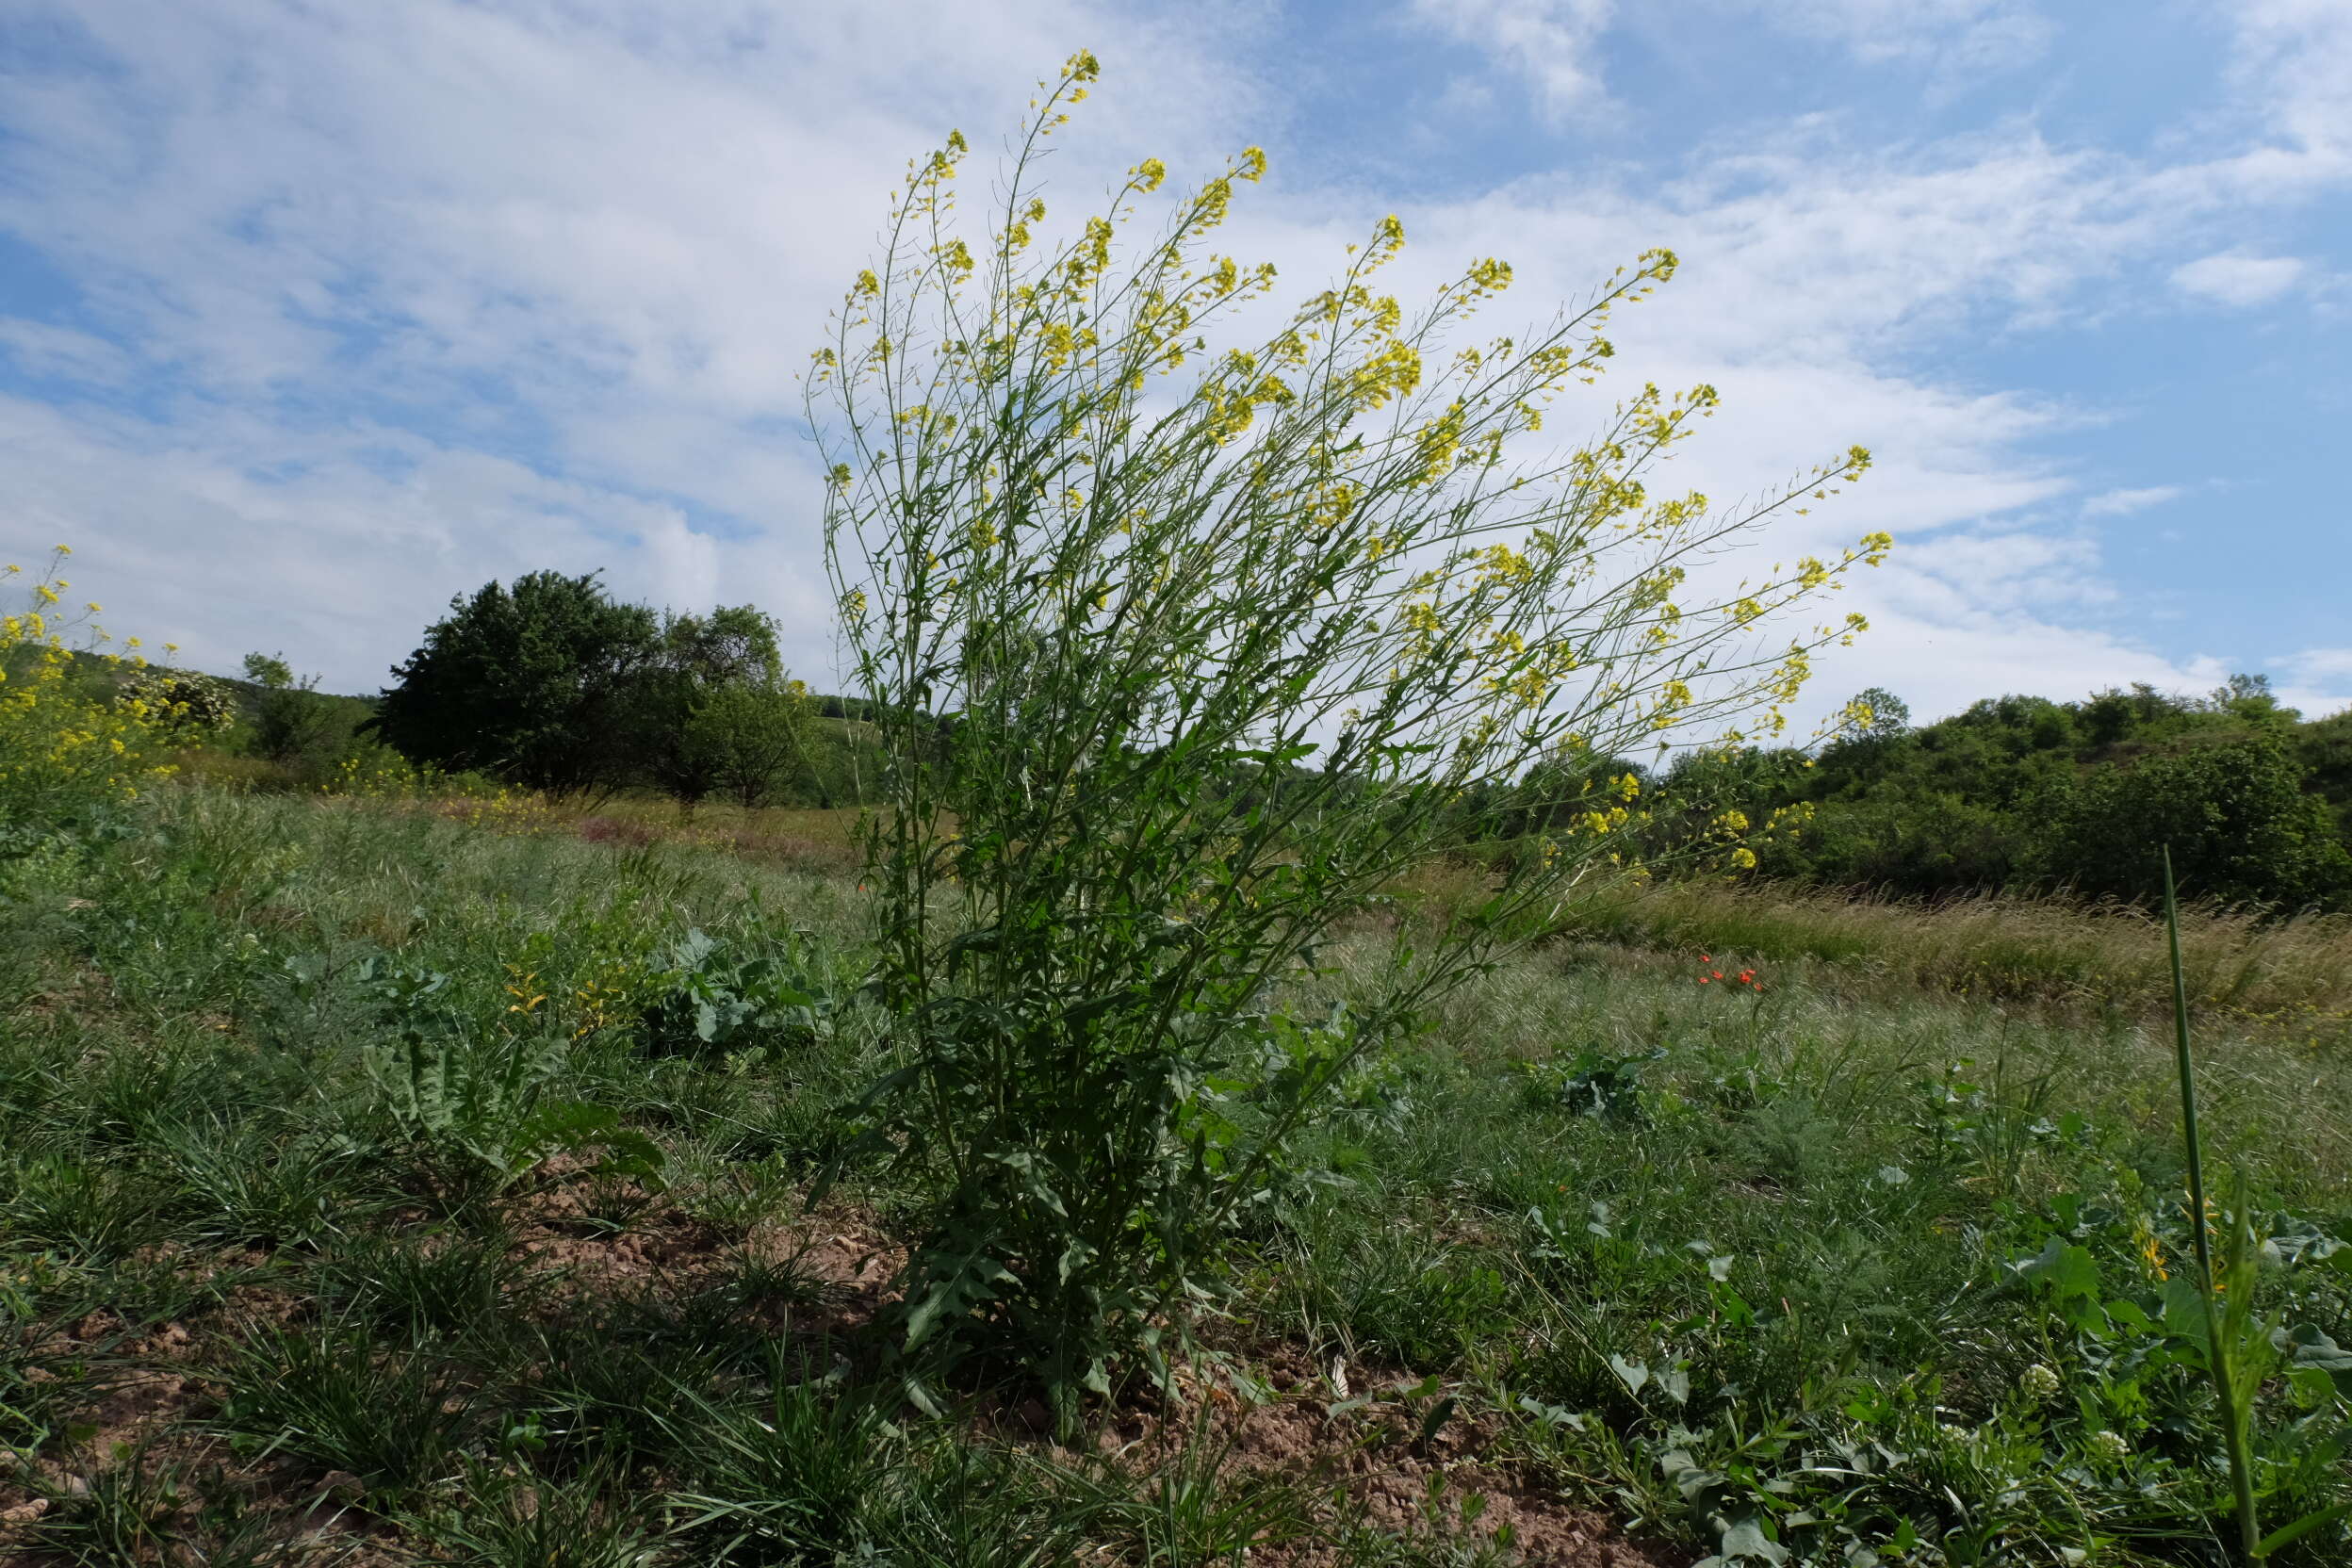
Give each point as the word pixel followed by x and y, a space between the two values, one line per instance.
pixel 1179 652
pixel 69 745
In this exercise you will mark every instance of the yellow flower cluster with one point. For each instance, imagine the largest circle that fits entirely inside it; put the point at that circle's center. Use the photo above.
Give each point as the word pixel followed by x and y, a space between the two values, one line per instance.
pixel 516 813
pixel 68 741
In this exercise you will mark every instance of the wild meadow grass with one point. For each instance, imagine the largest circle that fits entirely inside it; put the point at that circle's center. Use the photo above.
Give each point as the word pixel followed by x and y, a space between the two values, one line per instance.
pixel 2285 978
pixel 1836 1265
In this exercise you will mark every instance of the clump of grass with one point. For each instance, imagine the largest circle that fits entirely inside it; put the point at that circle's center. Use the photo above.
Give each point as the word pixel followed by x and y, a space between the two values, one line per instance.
pixel 339 1399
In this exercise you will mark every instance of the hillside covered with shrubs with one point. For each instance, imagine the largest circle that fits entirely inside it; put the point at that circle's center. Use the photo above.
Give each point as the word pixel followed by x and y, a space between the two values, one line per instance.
pixel 550 685
pixel 2022 792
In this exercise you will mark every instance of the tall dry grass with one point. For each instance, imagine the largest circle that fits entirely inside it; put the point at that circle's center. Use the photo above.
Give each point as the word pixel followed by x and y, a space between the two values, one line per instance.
pixel 2291 975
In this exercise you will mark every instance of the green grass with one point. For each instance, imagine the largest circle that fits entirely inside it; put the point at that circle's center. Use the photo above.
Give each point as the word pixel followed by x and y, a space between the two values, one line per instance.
pixel 1857 1263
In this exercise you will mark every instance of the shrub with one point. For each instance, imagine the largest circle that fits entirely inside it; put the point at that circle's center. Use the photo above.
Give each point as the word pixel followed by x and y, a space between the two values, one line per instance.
pixel 757 737
pixel 475 1102
pixel 712 999
pixel 2240 825
pixel 293 725
pixel 1166 680
pixel 531 683
pixel 696 707
pixel 67 749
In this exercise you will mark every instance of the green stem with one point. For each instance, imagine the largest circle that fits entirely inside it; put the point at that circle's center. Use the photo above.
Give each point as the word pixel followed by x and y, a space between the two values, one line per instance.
pixel 2218 1350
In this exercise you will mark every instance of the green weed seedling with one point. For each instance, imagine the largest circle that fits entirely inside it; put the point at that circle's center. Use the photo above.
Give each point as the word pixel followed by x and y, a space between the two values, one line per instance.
pixel 716 999
pixel 476 1103
pixel 1596 1083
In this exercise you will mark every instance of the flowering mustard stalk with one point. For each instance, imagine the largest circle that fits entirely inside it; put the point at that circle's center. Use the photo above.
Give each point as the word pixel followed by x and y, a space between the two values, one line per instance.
pixel 80 725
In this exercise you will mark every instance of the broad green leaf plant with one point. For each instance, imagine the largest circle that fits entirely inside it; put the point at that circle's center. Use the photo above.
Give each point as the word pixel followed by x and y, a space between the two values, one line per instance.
pixel 1180 654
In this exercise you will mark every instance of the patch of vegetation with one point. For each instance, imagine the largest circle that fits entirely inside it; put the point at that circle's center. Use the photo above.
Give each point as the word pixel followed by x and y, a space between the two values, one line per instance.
pixel 1164 1150
pixel 2024 794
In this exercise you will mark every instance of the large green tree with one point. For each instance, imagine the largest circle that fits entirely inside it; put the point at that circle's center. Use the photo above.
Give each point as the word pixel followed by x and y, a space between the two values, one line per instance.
pixel 2236 815
pixel 714 712
pixel 534 683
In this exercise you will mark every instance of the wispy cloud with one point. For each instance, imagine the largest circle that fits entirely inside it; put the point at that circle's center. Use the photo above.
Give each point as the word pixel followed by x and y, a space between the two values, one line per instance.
pixel 1972 33
pixel 2234 279
pixel 45 352
pixel 2122 503
pixel 2319 666
pixel 1553 45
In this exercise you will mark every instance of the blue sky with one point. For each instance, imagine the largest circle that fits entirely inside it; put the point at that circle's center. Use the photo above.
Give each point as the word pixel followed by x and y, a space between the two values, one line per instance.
pixel 313 315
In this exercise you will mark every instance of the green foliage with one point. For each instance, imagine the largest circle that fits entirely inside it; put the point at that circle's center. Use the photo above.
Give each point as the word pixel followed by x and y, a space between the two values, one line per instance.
pixel 2325 748
pixel 2020 792
pixel 694 731
pixel 713 997
pixel 477 1104
pixel 530 683
pixel 1162 694
pixel 759 737
pixel 2240 826
pixel 553 686
pixel 294 725
pixel 1595 1082
pixel 1879 713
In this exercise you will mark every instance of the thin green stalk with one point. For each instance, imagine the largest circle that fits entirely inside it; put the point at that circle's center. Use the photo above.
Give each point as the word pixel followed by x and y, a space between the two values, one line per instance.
pixel 2218 1350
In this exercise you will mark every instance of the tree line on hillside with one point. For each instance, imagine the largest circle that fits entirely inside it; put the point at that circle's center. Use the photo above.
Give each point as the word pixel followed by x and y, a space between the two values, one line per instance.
pixel 550 684
pixel 554 685
pixel 2022 792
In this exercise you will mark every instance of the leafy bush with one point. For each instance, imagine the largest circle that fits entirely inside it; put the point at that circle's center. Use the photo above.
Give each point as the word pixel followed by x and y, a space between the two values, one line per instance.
pixel 295 726
pixel 2240 826
pixel 67 749
pixel 477 1103
pixel 1102 629
pixel 712 711
pixel 758 736
pixel 2022 792
pixel 712 999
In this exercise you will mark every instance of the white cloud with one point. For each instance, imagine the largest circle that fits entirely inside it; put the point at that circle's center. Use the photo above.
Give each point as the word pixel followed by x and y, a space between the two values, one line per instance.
pixel 1970 33
pixel 2122 503
pixel 1553 43
pixel 2330 667
pixel 2232 278
pixel 53 352
pixel 233 534
pixel 455 290
pixel 2294 66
